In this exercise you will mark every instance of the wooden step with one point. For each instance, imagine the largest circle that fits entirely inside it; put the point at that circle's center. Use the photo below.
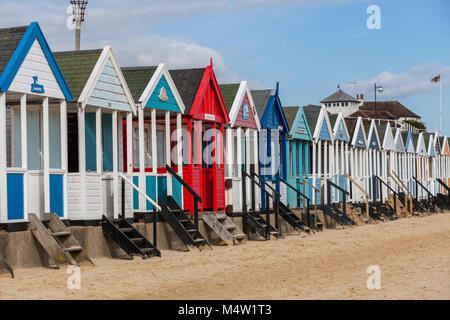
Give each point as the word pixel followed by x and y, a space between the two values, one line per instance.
pixel 125 230
pixel 61 234
pixel 136 240
pixel 73 249
pixel 223 226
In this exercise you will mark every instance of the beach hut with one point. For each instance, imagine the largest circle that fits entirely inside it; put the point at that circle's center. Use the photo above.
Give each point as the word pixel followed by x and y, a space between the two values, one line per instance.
pixel 374 145
pixel 322 146
pixel 204 119
pixel 156 140
pixel 410 149
pixel 33 102
pixel 445 152
pixel 421 163
pixel 400 156
pixel 431 164
pixel 272 141
pixel 298 147
pixel 339 164
pixel 358 157
pixel 101 101
pixel 241 143
pixel 387 154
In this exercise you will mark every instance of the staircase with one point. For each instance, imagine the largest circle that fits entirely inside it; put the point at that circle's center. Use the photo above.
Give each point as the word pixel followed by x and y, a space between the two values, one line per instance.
pixel 5 267
pixel 402 211
pixel 291 218
pixel 128 238
pixel 182 225
pixel 337 215
pixel 225 228
pixel 260 226
pixel 355 212
pixel 56 239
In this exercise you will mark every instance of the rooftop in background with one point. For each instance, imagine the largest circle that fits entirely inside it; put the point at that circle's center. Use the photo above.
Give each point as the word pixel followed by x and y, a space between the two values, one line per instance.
pixel 9 40
pixel 339 96
pixel 388 110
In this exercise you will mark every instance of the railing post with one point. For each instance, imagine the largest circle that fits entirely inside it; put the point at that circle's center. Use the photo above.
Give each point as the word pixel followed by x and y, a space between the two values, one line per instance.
pixel 344 198
pixel 155 227
pixel 123 198
pixel 267 216
pixel 253 191
pixel 395 203
pixel 196 213
pixel 244 207
pixel 276 208
pixel 311 224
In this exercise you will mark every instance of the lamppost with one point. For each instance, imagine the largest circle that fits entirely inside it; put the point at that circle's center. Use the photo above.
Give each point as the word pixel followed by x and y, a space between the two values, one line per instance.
pixel 79 7
pixel 380 89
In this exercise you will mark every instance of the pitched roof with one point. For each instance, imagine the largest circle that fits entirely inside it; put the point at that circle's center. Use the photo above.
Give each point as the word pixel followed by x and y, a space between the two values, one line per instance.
pixel 77 67
pixel 229 92
pixel 351 125
pixel 370 114
pixel 290 113
pixel 312 113
pixel 187 82
pixel 339 96
pixel 333 117
pixel 137 79
pixel 381 129
pixel 9 40
pixel 261 98
pixel 388 108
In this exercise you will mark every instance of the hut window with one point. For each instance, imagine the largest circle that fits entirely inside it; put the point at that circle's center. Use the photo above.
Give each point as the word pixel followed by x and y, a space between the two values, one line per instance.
pixel 160 146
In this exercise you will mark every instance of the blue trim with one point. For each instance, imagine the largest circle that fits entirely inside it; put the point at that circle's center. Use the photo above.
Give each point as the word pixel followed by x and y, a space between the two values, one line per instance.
pixel 15 196
pixel 57 194
pixel 410 139
pixel 33 32
pixel 270 112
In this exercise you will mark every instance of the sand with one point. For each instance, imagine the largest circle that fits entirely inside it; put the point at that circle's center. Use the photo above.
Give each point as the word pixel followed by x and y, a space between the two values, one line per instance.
pixel 413 255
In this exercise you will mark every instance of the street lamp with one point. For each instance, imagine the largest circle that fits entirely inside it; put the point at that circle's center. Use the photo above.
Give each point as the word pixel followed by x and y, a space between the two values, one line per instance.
pixel 78 9
pixel 380 90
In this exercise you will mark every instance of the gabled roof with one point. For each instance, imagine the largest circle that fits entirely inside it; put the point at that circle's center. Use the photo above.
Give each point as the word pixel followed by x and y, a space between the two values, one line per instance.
pixel 77 67
pixel 358 137
pixel 138 78
pixel 84 71
pixel 15 45
pixel 409 141
pixel 318 120
pixel 339 96
pixel 233 96
pixel 9 41
pixel 371 134
pixel 261 98
pixel 200 91
pixel 297 122
pixel 158 79
pixel 188 82
pixel 312 113
pixel 421 145
pixel 229 92
pixel 386 137
pixel 398 141
pixel 272 113
pixel 340 131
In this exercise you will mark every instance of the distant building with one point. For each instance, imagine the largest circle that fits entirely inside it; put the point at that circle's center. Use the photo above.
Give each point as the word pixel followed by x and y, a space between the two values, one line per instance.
pixel 385 111
pixel 341 102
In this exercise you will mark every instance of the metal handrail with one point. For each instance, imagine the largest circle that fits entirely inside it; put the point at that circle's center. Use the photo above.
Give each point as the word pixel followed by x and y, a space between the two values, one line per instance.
pixel 298 192
pixel 264 182
pixel 423 187
pixel 258 184
pixel 363 191
pixel 184 183
pixel 140 191
pixel 442 183
pixel 399 182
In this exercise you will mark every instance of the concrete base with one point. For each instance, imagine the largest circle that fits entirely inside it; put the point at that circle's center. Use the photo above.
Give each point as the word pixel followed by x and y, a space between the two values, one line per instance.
pixel 22 250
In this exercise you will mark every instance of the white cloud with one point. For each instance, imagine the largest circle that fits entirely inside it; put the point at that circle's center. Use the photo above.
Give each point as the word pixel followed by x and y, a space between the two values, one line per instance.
pixel 399 85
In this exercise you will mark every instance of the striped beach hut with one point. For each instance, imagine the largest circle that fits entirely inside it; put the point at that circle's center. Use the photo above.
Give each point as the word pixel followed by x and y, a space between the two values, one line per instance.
pixel 374 145
pixel 33 144
pixel 204 119
pixel 101 101
pixel 241 142
pixel 156 135
pixel 272 141
pixel 322 144
pixel 298 153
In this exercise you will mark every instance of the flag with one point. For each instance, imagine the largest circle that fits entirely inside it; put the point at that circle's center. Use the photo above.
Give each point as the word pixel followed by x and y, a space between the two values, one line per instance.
pixel 436 79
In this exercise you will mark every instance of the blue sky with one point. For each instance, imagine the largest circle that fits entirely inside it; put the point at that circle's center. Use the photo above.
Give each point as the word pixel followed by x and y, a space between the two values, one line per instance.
pixel 309 46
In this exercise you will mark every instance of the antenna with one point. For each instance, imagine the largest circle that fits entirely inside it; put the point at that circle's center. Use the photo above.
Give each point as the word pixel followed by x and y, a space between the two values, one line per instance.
pixel 78 9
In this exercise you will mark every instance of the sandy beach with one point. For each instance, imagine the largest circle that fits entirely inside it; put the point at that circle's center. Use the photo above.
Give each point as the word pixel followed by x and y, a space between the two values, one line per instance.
pixel 413 255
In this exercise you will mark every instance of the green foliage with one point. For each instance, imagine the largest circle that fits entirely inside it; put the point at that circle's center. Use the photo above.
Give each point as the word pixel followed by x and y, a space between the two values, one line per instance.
pixel 417 124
